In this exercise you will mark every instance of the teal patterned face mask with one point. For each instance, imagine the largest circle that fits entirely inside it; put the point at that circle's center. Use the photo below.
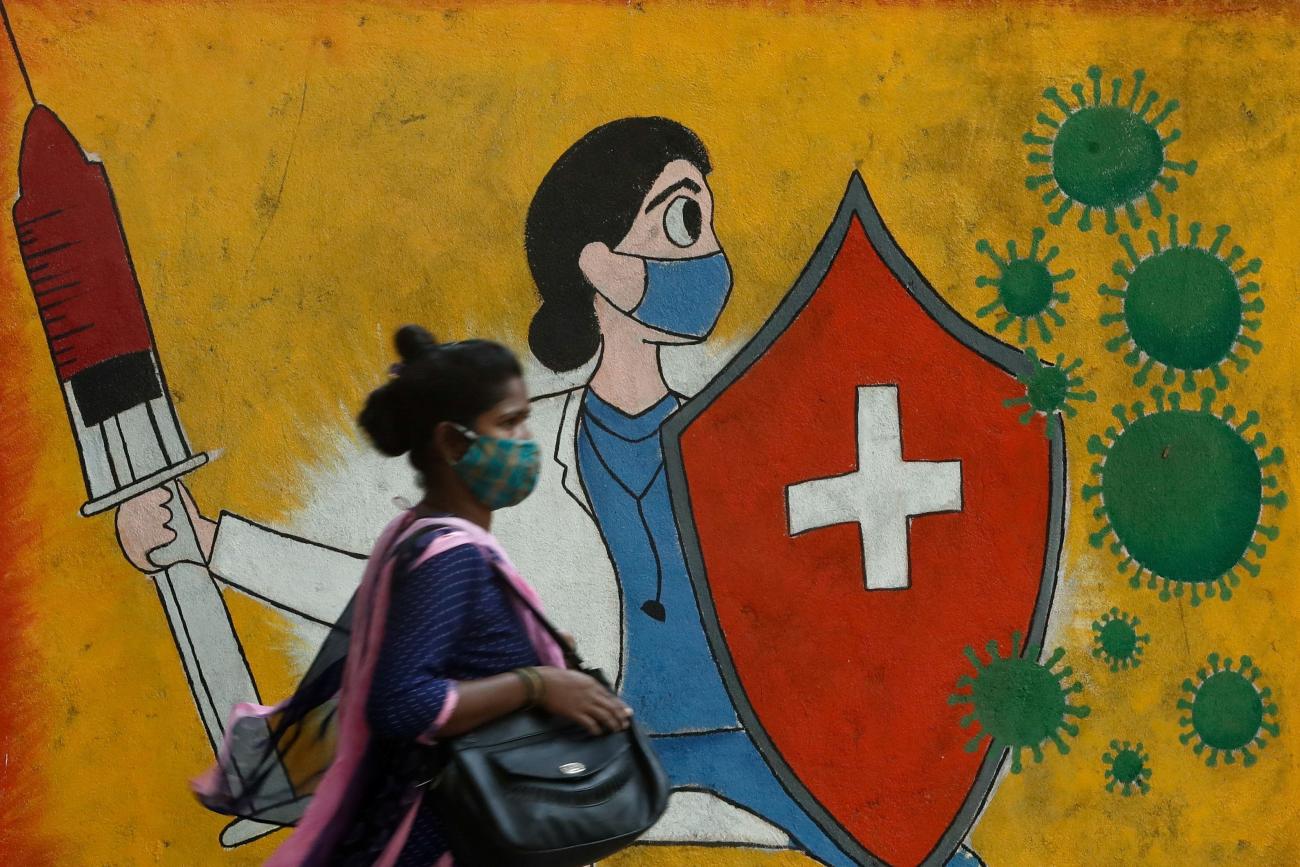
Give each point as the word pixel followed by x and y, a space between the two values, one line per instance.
pixel 499 472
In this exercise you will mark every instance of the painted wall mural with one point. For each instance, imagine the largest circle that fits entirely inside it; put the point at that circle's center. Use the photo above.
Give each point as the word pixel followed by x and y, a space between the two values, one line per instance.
pixel 918 465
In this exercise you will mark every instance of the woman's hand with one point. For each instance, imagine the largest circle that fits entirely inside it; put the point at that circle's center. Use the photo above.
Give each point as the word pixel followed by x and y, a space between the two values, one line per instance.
pixel 583 699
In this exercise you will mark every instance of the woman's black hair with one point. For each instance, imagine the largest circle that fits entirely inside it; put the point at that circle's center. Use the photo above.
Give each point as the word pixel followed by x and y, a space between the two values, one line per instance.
pixel 434 382
pixel 592 193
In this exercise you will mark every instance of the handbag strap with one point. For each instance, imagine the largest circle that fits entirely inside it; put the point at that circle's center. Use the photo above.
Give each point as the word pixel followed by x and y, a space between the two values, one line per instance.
pixel 571 657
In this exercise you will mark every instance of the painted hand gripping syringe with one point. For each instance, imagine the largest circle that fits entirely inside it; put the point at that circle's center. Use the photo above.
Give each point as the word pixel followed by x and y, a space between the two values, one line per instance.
pixel 128 435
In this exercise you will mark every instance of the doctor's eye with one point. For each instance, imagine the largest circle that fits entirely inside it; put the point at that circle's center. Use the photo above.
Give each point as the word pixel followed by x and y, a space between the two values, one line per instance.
pixel 682 221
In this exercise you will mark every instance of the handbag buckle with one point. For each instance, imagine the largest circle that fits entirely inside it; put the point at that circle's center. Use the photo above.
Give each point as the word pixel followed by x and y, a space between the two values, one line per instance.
pixel 570 769
pixel 433 780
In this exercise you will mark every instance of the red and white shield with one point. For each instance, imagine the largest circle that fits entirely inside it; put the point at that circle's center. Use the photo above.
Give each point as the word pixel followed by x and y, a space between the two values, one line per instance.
pixel 857 507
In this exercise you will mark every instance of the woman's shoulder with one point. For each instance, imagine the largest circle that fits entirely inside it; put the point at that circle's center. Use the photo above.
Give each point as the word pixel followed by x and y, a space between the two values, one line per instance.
pixel 444 553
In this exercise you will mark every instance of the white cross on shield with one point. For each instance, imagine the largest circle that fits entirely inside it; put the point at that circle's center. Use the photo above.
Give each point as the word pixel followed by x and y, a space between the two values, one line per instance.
pixel 882 495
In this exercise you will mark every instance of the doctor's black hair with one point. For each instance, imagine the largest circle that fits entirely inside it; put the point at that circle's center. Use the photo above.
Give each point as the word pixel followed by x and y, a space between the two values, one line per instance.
pixel 433 383
pixel 592 193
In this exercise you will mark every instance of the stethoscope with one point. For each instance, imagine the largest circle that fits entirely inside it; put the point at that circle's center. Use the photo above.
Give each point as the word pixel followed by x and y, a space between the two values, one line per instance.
pixel 652 608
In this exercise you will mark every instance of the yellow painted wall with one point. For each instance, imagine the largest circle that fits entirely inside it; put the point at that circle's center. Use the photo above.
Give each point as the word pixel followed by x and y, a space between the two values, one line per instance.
pixel 297 179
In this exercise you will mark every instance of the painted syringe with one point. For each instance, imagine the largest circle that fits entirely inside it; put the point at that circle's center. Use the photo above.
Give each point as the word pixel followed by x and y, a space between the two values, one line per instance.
pixel 127 432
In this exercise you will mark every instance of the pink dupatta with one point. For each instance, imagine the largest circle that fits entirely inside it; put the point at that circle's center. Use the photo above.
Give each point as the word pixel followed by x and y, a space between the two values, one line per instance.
pixel 330 813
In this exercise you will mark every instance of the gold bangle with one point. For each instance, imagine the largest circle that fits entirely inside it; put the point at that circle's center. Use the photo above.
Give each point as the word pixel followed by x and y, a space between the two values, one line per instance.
pixel 528 686
pixel 533 685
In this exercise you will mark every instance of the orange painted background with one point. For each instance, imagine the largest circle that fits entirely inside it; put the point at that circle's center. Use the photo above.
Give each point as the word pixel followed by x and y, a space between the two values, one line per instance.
pixel 297 179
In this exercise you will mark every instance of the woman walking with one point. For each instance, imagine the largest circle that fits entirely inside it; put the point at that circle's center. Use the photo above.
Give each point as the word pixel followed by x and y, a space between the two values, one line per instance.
pixel 438 646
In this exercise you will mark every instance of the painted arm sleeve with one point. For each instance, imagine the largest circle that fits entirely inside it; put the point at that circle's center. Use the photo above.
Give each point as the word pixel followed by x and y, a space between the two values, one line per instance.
pixel 297 575
pixel 429 615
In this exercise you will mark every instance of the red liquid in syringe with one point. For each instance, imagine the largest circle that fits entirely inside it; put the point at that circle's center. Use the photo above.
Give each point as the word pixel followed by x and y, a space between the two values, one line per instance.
pixel 74 252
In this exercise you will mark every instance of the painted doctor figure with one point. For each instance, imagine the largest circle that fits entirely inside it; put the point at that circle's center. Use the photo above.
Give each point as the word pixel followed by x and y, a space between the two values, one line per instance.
pixel 621 246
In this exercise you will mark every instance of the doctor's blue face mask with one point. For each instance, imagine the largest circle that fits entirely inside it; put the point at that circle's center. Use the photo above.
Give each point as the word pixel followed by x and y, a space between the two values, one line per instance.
pixel 684 297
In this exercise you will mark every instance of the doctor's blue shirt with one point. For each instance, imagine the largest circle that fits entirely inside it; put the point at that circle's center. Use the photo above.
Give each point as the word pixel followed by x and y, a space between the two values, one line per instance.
pixel 669 674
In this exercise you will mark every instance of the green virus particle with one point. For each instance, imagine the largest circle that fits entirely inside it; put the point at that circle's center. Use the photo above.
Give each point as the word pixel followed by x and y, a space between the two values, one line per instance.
pixel 1026 288
pixel 1049 389
pixel 1018 702
pixel 1185 308
pixel 1104 155
pixel 1127 768
pixel 1227 712
pixel 1116 640
pixel 1182 493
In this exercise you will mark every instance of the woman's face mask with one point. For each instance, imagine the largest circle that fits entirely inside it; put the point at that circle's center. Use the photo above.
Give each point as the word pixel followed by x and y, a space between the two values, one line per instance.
pixel 499 472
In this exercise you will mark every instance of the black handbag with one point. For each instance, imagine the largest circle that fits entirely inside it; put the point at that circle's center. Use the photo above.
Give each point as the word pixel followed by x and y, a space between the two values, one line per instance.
pixel 533 790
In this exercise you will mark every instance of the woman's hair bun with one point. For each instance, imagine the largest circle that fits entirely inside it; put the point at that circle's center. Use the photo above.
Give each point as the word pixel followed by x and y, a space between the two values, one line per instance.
pixel 386 416
pixel 385 421
pixel 414 343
